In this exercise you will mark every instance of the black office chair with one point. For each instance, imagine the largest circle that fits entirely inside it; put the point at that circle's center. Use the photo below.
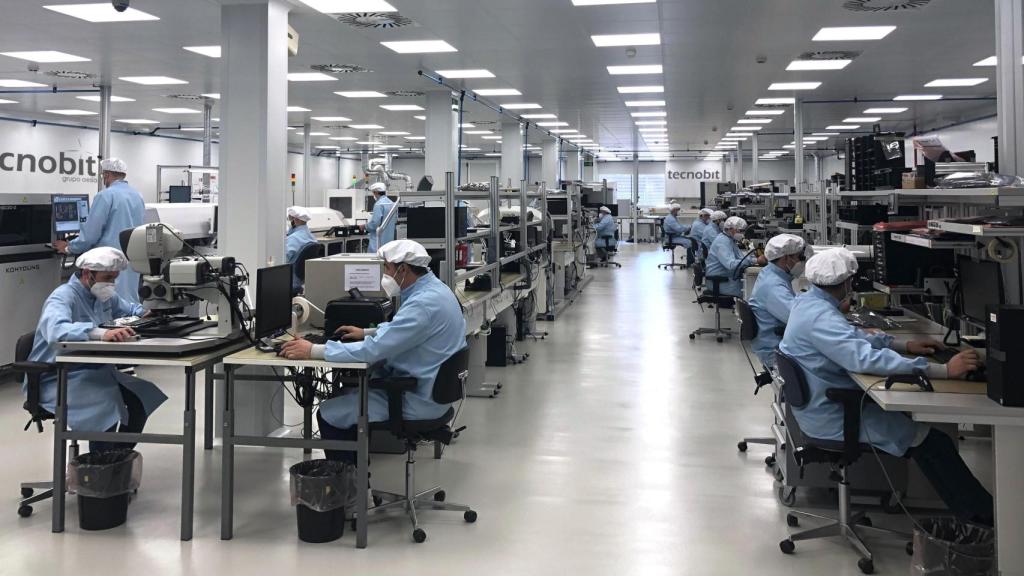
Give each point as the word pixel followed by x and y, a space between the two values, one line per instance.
pixel 308 252
pixel 748 331
pixel 610 249
pixel 449 387
pixel 33 373
pixel 715 300
pixel 669 246
pixel 839 455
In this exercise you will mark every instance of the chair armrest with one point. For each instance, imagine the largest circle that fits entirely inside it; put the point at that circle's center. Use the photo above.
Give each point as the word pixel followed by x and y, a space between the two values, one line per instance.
pixel 851 400
pixel 33 367
pixel 395 388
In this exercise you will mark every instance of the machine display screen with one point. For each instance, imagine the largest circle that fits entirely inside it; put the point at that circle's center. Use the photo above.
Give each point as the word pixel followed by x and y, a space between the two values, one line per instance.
pixel 69 213
pixel 24 224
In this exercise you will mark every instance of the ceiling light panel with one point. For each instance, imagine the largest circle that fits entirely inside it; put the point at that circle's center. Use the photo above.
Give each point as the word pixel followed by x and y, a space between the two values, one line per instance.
pixel 177 110
pixel 152 80
pixel 604 40
pixel 746 128
pixel 765 112
pixel 136 121
pixel 493 137
pixel 100 12
pixel 754 121
pixel 641 89
pixel 551 124
pixel 658 114
pixel 401 107
pixel 12 83
pixel 71 112
pixel 3 101
pixel 917 97
pixel 366 126
pixel 774 101
pixel 635 70
pixel 208 51
pixel 955 82
pixel 45 56
pixel 330 118
pixel 473 132
pixel 468 73
pixel 521 106
pixel 651 122
pixel 853 33
pixel 343 138
pixel 298 109
pixel 885 110
pixel 498 92
pixel 842 127
pixel 419 46
pixel 416 138
pixel 361 94
pixel 310 77
pixel 538 116
pixel 862 119
pixel 644 103
pixel 794 86
pixel 394 133
pixel 96 98
pixel 796 65
pixel 347 6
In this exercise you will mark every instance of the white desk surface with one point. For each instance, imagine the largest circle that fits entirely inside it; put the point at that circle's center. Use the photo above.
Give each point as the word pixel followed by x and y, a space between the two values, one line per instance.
pixel 183 361
pixel 252 357
pixel 940 406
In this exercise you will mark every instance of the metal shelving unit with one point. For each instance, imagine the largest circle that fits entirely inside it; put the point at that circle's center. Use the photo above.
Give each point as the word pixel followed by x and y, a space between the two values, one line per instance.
pixel 979 230
pixel 933 244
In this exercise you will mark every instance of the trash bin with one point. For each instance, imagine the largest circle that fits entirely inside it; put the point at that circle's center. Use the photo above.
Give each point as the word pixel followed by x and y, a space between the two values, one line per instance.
pixel 104 482
pixel 320 492
pixel 950 547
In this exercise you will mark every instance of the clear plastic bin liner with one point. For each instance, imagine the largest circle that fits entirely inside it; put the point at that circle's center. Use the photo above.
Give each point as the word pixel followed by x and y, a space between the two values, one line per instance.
pixel 977 180
pixel 950 547
pixel 323 485
pixel 105 474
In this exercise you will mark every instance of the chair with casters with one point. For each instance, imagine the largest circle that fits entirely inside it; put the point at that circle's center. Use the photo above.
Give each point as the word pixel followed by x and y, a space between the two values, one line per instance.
pixel 610 250
pixel 716 301
pixel 449 388
pixel 308 252
pixel 33 373
pixel 748 331
pixel 839 455
pixel 670 246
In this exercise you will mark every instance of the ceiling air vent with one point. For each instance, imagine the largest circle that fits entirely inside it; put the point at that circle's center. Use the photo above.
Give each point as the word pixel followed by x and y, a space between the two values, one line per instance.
pixel 339 68
pixel 404 93
pixel 374 20
pixel 72 74
pixel 186 96
pixel 830 55
pixel 884 5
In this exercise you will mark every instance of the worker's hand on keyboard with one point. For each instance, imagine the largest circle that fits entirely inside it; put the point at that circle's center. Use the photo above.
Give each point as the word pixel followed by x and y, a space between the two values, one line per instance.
pixel 962 363
pixel 299 349
pixel 925 347
pixel 350 333
pixel 118 335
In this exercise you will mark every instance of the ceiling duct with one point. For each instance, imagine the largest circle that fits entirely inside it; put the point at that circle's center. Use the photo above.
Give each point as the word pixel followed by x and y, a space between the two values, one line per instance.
pixel 405 93
pixel 193 97
pixel 884 5
pixel 71 74
pixel 830 55
pixel 339 68
pixel 374 20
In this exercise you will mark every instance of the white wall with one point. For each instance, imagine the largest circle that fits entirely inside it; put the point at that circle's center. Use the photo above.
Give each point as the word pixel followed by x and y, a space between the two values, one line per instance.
pixel 479 170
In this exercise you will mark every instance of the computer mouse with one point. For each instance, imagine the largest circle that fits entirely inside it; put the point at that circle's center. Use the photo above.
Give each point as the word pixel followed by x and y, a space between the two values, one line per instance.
pixel 979 375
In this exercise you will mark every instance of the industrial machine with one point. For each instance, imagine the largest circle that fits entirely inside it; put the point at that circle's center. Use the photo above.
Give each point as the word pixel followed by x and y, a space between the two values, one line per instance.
pixel 332 277
pixel 195 223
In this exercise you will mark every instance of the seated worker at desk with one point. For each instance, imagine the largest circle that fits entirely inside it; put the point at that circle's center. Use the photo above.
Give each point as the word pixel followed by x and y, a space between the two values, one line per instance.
pixel 827 347
pixel 381 206
pixel 605 229
pixel 726 260
pixel 713 229
pixel 427 329
pixel 773 294
pixel 697 228
pixel 678 231
pixel 99 396
pixel 298 237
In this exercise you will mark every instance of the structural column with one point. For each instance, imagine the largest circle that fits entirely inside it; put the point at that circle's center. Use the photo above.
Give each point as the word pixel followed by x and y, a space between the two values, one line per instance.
pixel 307 161
pixel 754 153
pixel 207 143
pixel 739 165
pixel 550 162
pixel 798 141
pixel 440 149
pixel 253 155
pixel 104 128
pixel 732 167
pixel 573 164
pixel 1010 85
pixel 512 141
pixel 589 173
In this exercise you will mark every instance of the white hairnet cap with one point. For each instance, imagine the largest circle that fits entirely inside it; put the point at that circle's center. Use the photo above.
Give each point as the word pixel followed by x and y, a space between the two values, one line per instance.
pixel 718 215
pixel 407 251
pixel 706 211
pixel 113 165
pixel 831 267
pixel 102 259
pixel 299 212
pixel 673 206
pixel 783 245
pixel 379 187
pixel 735 223
pixel 605 209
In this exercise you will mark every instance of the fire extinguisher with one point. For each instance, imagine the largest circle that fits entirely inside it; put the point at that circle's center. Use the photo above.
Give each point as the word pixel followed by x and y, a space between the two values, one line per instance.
pixel 461 255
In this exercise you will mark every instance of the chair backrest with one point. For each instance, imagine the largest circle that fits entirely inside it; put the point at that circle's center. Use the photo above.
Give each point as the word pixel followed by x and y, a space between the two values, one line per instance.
pixel 24 347
pixel 449 382
pixel 795 388
pixel 308 252
pixel 748 323
pixel 698 273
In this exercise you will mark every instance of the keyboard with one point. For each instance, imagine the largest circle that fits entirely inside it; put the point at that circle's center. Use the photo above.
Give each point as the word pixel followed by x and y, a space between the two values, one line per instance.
pixel 315 338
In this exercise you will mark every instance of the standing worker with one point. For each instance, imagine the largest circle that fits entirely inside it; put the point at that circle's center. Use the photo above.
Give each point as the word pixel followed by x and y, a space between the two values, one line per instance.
pixel 381 206
pixel 298 238
pixel 115 208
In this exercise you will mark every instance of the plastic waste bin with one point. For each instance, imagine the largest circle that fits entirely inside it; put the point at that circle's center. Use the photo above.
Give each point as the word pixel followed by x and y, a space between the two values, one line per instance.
pixel 104 482
pixel 320 492
pixel 950 547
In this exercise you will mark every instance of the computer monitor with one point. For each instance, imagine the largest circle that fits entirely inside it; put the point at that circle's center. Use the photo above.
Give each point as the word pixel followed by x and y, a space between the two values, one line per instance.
pixel 69 213
pixel 180 194
pixel 981 285
pixel 426 184
pixel 273 300
pixel 342 204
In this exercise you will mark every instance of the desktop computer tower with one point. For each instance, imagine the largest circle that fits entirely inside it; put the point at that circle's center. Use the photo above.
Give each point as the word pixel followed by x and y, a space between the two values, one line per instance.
pixel 1004 329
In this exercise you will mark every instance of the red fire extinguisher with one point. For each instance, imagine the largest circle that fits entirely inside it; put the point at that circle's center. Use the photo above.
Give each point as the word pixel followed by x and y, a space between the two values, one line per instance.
pixel 461 255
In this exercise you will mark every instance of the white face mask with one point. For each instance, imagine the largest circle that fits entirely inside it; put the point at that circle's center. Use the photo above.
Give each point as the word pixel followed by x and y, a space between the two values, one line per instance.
pixel 797 270
pixel 103 291
pixel 739 236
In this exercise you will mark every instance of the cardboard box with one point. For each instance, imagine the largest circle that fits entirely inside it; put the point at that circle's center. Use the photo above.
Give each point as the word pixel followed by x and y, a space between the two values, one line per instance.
pixel 911 181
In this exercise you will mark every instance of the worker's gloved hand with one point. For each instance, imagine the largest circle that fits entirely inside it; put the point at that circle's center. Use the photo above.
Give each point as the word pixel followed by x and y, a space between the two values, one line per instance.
pixel 962 363
pixel 350 333
pixel 60 246
pixel 118 335
pixel 925 347
pixel 298 349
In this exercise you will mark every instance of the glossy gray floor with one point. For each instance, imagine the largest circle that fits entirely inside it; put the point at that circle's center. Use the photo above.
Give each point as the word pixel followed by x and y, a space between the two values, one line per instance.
pixel 611 451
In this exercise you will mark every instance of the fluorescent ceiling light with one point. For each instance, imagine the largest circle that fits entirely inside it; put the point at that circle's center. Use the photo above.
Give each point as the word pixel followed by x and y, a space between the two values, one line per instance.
pixel 498 92
pixel 603 40
pixel 765 112
pixel 642 103
pixel 136 121
pixel 574 137
pixel 730 134
pixel 794 85
pixel 815 138
pixel 853 33
pixel 754 121
pixel 650 122
pixel 885 110
pixel 551 124
pixel 990 61
pixel 100 12
pixel 318 133
pixel 790 146
pixel 152 80
pixel 955 82
pixel 477 132
pixel 366 126
pixel 343 138
pixel 420 117
pixel 190 129
pixel 862 119
pixel 389 146
pixel 209 51
pixel 177 110
pixel 492 137
pixel 212 96
pixel 368 143
pixel 493 154
pixel 298 109
pixel 637 69
pixel 660 114
pixel 394 133
pixel 521 106
pixel 842 127
pixel 826 134
pixel 361 94
pixel 416 138
pixel 607 2
pixel 818 64
pixel 564 131
pixel 917 97
pixel 345 6
pixel 652 130
pixel 328 147
pixel 420 46
pixel 470 149
pixel 45 56
pixel 538 116
pixel 467 125
pixel 734 139
pixel 310 77
pixel 774 101
pixel 401 107
pixel 71 112
pixel 11 83
pixel 2 101
pixel 96 98
pixel 641 89
pixel 469 73
pixel 745 128
pixel 330 119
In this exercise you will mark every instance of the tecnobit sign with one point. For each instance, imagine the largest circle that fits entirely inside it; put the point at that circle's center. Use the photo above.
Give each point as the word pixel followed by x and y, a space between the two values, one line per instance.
pixel 71 167
pixel 707 175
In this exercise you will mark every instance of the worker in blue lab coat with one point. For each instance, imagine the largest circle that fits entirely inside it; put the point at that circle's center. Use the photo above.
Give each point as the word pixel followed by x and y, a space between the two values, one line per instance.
pixel 99 396
pixel 381 207
pixel 700 224
pixel 713 229
pixel 605 229
pixel 773 294
pixel 428 328
pixel 726 260
pixel 298 238
pixel 677 231
pixel 828 348
pixel 115 208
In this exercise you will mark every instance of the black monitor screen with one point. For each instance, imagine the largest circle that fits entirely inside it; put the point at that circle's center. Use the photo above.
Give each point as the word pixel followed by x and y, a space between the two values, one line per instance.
pixel 180 194
pixel 981 285
pixel 273 299
pixel 70 212
pixel 342 204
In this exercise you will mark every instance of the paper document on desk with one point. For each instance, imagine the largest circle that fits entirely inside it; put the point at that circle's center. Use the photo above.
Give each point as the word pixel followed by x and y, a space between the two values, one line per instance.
pixel 365 277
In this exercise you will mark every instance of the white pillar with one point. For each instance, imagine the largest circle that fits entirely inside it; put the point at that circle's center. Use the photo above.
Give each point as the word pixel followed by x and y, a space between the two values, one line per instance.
pixel 550 162
pixel 512 140
pixel 754 153
pixel 207 143
pixel 253 155
pixel 798 152
pixel 739 166
pixel 1010 85
pixel 442 132
pixel 104 139
pixel 307 160
pixel 732 167
pixel 573 164
pixel 588 173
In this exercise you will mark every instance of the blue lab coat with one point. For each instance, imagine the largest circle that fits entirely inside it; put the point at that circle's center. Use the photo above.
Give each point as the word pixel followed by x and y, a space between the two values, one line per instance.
pixel 725 259
pixel 770 301
pixel 95 403
pixel 605 228
pixel 827 347
pixel 115 208
pixel 298 238
pixel 697 230
pixel 380 210
pixel 427 329
pixel 711 231
pixel 674 228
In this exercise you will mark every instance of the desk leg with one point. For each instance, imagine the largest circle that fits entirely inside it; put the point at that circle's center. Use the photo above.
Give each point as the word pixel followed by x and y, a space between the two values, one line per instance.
pixel 188 455
pixel 227 470
pixel 60 450
pixel 208 410
pixel 1009 484
pixel 307 409
pixel 362 461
